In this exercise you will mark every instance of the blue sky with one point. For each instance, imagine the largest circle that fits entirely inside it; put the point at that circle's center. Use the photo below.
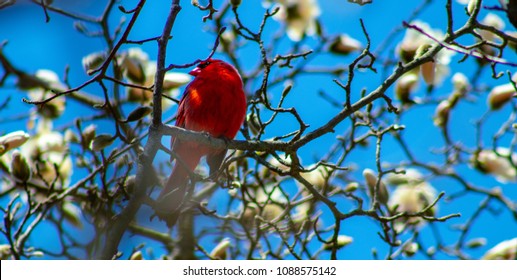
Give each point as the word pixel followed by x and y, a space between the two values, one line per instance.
pixel 34 44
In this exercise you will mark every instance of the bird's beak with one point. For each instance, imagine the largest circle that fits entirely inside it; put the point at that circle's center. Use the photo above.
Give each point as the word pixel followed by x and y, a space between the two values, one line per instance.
pixel 195 71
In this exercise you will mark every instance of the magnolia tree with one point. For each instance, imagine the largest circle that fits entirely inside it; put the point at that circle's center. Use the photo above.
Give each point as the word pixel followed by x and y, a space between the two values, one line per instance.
pixel 411 135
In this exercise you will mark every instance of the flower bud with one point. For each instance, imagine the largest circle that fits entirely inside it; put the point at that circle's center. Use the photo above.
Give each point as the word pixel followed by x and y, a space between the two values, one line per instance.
pixel 5 251
pixel 133 63
pixel 512 44
pixel 352 187
pixel 139 113
pixel 72 214
pixel 52 109
pixel 19 167
pixel 248 216
pixel 93 61
pixel 441 115
pixel 496 164
pixel 470 6
pixel 371 182
pixel 476 242
pixel 253 123
pixel 88 134
pixel 101 141
pixel 175 80
pixel 342 241
pixel 500 95
pixel 461 83
pixel 410 249
pixel 136 256
pixel 344 44
pixel 220 252
pixel 505 250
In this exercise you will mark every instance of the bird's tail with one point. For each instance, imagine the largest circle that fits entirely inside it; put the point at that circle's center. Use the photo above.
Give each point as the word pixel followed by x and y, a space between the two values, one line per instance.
pixel 175 193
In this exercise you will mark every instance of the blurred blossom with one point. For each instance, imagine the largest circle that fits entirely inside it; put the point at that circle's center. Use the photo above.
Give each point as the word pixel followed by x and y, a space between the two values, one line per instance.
pixel 270 193
pixel 497 164
pixel 506 250
pixel 299 16
pixel 413 40
pixel 12 140
pixel 412 198
pixel 405 86
pixel 441 114
pixel 412 194
pixel 133 63
pixel 44 150
pixel 317 177
pixel 54 108
pixel 72 213
pixel 411 176
pixel 19 167
pixel 93 61
pixel 284 164
pixel 140 70
pixel 461 83
pixel 494 21
pixel 410 249
pixel 5 251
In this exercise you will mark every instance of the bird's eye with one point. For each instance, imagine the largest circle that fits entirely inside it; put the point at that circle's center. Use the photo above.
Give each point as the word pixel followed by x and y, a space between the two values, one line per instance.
pixel 203 64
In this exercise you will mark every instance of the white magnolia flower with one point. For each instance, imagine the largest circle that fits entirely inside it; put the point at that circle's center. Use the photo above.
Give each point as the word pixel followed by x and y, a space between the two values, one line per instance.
pixel 412 195
pixel 406 85
pixel 141 71
pixel 497 164
pixel 46 149
pixel 54 108
pixel 93 61
pixel 411 176
pixel 414 39
pixel 12 140
pixel 317 177
pixel 506 250
pixel 492 20
pixel 299 16
pixel 412 198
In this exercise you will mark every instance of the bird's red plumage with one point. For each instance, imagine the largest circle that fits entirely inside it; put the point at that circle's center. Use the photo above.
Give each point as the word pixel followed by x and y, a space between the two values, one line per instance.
pixel 214 102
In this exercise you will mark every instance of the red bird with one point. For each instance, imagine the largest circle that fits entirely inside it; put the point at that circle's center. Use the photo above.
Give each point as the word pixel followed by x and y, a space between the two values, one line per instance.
pixel 215 103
